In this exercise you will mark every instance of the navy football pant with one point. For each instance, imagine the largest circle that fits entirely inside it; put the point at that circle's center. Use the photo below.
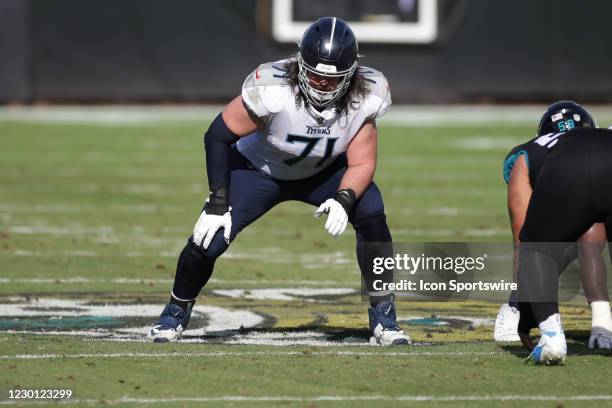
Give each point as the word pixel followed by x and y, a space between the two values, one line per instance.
pixel 252 194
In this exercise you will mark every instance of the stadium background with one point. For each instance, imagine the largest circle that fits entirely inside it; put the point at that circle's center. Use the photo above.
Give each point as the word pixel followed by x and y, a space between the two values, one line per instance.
pixel 98 195
pixel 198 51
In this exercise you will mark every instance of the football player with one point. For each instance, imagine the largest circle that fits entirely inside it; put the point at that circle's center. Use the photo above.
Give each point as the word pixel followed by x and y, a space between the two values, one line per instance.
pixel 571 194
pixel 303 129
pixel 521 169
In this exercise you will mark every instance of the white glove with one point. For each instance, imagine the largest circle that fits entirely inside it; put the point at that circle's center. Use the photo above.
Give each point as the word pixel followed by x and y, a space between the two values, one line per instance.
pixel 208 225
pixel 337 218
pixel 600 338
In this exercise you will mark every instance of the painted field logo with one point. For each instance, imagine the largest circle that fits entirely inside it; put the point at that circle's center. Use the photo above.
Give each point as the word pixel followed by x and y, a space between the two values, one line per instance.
pixel 316 319
pixel 131 322
pixel 83 318
pixel 453 322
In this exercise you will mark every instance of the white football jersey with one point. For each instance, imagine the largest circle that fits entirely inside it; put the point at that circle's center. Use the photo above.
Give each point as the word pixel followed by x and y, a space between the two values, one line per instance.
pixel 296 142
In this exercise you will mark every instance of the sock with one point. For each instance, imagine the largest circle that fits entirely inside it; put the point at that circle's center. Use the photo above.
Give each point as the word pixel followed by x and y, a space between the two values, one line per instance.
pixel 551 324
pixel 601 317
pixel 543 310
pixel 528 320
pixel 183 304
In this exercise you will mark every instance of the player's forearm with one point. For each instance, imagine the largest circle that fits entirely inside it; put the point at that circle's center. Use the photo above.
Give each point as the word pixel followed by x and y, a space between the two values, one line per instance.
pixel 358 178
pixel 517 219
pixel 519 194
pixel 517 211
pixel 517 224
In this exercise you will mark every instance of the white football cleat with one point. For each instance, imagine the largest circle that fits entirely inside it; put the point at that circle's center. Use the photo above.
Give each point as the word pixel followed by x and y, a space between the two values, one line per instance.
pixel 383 324
pixel 164 334
pixel 171 324
pixel 601 338
pixel 551 349
pixel 506 324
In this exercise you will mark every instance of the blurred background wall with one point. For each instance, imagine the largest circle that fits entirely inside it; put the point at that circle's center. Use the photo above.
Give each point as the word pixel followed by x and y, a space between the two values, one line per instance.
pixel 99 51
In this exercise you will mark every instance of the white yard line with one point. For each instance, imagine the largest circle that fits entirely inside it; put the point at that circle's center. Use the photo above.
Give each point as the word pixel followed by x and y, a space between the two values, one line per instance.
pixel 404 115
pixel 109 233
pixel 485 143
pixel 136 280
pixel 321 398
pixel 88 208
pixel 312 260
pixel 250 353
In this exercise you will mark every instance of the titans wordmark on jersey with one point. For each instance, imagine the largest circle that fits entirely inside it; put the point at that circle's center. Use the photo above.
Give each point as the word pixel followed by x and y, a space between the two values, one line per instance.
pixel 294 142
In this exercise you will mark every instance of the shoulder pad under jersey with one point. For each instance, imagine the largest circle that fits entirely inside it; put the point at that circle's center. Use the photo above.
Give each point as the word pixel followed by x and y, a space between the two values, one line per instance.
pixel 512 157
pixel 378 100
pixel 265 89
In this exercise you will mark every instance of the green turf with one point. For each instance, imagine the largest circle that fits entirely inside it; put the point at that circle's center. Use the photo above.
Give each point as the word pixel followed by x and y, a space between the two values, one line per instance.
pixel 306 372
pixel 130 196
pixel 84 206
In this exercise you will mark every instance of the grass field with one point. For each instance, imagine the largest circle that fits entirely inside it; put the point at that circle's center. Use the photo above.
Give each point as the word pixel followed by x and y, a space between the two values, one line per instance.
pixel 93 216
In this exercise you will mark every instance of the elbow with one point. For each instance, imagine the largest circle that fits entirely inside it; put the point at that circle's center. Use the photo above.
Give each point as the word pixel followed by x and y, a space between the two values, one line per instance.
pixel 366 168
pixel 219 133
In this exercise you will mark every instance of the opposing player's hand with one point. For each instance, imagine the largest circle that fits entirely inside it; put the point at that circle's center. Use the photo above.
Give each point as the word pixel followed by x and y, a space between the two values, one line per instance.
pixel 600 338
pixel 337 218
pixel 216 214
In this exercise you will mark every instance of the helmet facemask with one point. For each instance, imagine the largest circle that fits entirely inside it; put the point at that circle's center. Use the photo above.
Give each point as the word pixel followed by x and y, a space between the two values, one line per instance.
pixel 318 97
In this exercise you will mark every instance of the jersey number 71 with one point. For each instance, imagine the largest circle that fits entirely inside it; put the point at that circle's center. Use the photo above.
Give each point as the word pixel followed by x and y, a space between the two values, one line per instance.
pixel 310 143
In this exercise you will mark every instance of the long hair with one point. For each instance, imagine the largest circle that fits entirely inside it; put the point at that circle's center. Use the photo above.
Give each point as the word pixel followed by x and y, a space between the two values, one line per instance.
pixel 354 95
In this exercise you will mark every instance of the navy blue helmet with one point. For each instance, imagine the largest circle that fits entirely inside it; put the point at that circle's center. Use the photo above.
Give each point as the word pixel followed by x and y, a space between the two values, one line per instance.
pixel 563 116
pixel 327 58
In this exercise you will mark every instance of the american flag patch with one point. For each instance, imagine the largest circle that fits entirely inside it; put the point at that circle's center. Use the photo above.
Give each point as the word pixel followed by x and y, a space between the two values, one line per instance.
pixel 556 117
